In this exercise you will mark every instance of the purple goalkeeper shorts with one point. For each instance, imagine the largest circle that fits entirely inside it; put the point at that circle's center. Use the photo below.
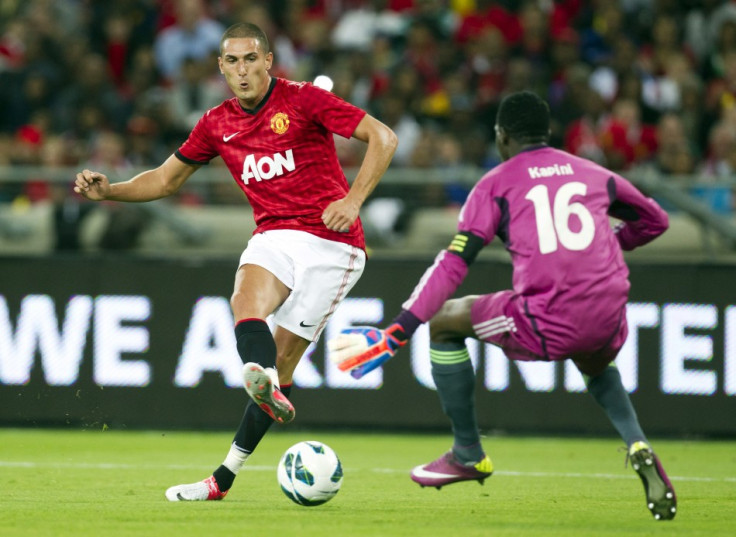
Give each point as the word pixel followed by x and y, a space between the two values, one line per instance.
pixel 499 319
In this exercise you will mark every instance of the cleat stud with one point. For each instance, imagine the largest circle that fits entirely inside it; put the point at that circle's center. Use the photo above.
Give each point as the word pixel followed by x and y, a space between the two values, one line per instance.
pixel 649 462
pixel 636 466
pixel 673 509
pixel 650 505
pixel 669 495
pixel 657 516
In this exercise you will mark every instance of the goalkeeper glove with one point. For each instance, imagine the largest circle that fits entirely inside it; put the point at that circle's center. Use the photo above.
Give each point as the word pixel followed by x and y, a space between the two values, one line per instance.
pixel 362 349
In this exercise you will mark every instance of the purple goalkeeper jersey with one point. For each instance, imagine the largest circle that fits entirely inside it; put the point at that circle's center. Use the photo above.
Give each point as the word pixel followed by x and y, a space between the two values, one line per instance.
pixel 551 209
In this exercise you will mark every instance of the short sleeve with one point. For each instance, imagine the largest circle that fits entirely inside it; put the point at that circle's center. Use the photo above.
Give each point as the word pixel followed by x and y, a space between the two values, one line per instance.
pixel 197 149
pixel 327 109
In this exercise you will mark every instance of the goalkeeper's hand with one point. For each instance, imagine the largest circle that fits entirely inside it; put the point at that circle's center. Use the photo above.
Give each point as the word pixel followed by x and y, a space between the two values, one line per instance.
pixel 361 349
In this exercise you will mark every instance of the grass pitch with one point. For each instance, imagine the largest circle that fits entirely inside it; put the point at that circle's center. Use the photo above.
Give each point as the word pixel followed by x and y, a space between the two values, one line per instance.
pixel 112 483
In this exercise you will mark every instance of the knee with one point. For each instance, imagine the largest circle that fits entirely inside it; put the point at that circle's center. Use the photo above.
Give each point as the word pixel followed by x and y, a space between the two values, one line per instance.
pixel 235 299
pixel 452 323
pixel 439 332
pixel 436 332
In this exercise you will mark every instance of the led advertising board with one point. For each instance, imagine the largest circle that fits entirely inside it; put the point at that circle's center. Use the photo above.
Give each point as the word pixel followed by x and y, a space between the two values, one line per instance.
pixel 141 343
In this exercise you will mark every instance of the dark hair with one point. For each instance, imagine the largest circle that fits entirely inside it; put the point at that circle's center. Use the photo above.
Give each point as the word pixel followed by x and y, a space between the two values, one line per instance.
pixel 525 117
pixel 246 29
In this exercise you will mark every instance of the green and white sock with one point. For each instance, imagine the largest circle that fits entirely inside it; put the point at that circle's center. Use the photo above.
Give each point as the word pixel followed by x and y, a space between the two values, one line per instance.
pixel 454 377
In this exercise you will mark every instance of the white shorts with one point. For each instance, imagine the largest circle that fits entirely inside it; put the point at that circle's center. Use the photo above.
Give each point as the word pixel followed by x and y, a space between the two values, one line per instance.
pixel 319 272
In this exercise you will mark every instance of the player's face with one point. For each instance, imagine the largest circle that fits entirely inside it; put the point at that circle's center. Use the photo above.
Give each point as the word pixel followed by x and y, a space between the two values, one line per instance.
pixel 245 67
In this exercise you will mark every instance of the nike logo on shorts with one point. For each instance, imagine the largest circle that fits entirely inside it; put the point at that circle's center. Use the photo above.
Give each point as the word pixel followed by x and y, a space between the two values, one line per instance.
pixel 226 137
pixel 306 325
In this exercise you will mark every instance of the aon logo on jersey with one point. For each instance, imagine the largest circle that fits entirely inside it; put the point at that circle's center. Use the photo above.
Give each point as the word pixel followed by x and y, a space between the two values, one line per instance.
pixel 267 167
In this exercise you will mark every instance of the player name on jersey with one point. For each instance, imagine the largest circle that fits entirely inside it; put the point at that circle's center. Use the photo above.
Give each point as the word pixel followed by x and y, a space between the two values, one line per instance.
pixel 548 171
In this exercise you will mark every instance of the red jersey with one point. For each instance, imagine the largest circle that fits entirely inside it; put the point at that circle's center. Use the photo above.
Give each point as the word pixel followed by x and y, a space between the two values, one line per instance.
pixel 282 155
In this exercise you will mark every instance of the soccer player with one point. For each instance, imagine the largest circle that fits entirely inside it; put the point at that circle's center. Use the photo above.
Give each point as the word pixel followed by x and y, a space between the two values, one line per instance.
pixel 307 252
pixel 570 288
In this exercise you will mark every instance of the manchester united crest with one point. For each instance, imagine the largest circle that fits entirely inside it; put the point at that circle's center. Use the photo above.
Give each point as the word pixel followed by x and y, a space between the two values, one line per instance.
pixel 280 123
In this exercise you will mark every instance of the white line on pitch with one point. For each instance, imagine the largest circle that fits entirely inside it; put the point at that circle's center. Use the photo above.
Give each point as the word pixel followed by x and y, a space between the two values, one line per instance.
pixel 263 468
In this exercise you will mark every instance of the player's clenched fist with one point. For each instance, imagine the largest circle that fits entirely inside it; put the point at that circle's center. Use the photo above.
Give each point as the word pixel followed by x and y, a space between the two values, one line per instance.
pixel 340 215
pixel 92 185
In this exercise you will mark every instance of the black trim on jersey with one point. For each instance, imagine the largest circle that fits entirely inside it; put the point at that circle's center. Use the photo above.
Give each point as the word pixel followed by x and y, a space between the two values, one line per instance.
pixel 466 246
pixel 186 160
pixel 263 102
pixel 533 321
pixel 503 224
pixel 619 209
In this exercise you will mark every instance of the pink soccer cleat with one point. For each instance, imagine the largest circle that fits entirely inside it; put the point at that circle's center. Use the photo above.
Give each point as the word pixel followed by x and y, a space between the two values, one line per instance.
pixel 447 470
pixel 661 498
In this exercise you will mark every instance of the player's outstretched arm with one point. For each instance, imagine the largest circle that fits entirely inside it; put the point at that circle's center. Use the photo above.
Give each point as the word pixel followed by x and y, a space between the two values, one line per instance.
pixel 341 214
pixel 361 349
pixel 146 186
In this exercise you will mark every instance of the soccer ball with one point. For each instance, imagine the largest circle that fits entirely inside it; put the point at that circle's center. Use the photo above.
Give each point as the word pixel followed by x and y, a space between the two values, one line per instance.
pixel 310 473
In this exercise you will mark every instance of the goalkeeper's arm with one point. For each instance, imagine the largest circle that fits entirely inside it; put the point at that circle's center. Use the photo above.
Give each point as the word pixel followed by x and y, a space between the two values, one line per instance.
pixel 362 349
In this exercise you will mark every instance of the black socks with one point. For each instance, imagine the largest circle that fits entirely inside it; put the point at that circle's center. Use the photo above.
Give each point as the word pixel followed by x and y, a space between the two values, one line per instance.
pixel 224 478
pixel 254 425
pixel 255 342
pixel 252 429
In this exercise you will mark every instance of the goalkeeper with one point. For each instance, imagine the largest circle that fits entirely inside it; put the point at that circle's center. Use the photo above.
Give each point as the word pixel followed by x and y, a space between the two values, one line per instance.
pixel 570 288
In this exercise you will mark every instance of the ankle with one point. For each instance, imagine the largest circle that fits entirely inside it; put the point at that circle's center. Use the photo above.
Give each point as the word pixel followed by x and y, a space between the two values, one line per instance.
pixel 470 454
pixel 638 446
pixel 235 459
pixel 274 376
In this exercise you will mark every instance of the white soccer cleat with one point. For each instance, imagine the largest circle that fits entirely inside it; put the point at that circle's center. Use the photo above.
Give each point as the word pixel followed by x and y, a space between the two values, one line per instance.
pixel 196 492
pixel 274 376
pixel 262 385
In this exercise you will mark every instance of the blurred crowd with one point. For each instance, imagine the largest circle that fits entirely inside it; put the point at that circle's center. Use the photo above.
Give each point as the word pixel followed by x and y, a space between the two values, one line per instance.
pixel 112 85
